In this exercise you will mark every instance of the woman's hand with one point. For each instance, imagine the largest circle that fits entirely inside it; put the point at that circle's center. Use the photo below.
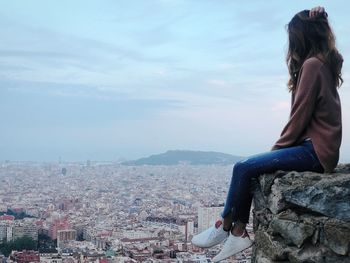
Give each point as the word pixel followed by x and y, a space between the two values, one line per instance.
pixel 316 11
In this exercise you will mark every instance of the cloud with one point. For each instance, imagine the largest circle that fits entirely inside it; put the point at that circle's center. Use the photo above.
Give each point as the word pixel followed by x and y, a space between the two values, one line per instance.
pixel 34 45
pixel 180 74
pixel 218 82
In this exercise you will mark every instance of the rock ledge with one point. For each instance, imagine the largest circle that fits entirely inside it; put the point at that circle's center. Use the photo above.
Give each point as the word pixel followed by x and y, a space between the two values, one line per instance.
pixel 302 217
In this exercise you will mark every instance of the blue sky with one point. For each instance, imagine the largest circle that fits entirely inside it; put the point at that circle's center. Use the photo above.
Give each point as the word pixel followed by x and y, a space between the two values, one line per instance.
pixel 102 80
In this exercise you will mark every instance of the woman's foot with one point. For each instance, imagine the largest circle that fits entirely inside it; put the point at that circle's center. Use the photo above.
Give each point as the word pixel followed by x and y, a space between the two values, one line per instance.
pixel 233 245
pixel 211 237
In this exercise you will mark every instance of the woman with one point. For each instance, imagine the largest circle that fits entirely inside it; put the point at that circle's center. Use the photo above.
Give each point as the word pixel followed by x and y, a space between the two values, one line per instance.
pixel 309 142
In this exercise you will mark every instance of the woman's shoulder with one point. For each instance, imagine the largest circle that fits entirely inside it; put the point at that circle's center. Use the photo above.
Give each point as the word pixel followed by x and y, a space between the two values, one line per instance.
pixel 315 66
pixel 314 61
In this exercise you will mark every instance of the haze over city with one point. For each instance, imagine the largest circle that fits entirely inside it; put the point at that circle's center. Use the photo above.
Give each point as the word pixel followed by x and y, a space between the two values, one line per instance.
pixel 103 80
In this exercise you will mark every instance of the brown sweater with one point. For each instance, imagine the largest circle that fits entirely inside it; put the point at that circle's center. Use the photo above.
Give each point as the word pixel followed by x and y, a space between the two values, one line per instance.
pixel 315 114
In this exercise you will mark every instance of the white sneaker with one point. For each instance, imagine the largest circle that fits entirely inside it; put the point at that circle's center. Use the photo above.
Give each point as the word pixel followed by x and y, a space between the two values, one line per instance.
pixel 233 245
pixel 211 237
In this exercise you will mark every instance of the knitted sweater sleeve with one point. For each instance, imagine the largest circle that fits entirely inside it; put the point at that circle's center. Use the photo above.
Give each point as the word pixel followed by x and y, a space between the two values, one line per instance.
pixel 303 105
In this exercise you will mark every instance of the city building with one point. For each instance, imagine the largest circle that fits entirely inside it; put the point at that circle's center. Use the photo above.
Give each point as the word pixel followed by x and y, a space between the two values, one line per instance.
pixel 24 256
pixel 207 216
pixel 58 224
pixel 50 258
pixel 65 235
pixel 7 218
pixel 3 232
pixel 21 229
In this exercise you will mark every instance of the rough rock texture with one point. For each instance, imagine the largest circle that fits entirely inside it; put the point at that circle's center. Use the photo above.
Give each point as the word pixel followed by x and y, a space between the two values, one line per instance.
pixel 302 217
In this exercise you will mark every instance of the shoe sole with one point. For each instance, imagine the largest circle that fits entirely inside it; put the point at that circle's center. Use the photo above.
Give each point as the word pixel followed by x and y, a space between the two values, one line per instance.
pixel 210 245
pixel 234 253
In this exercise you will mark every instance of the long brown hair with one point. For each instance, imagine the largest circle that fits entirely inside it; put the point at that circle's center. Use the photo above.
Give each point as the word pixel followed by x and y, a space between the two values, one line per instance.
pixel 310 36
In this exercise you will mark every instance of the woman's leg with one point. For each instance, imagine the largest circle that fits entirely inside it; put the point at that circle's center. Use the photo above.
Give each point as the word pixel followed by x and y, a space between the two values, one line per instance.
pixel 237 207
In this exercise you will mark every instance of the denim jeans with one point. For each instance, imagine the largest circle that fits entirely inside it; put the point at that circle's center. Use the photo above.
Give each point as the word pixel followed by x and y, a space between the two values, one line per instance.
pixel 239 198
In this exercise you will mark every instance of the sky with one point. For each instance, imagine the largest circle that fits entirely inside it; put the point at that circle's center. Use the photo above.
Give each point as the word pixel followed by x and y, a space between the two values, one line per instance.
pixel 104 80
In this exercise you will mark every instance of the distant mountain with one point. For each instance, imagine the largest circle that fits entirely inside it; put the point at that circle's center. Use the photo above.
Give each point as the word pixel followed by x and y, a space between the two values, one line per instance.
pixel 189 157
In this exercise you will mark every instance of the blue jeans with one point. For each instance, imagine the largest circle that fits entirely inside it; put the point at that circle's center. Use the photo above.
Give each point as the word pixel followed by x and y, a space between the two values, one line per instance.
pixel 239 198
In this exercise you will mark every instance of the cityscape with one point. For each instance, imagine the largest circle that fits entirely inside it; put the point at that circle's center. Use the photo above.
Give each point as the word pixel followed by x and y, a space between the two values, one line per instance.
pixel 108 212
pixel 89 88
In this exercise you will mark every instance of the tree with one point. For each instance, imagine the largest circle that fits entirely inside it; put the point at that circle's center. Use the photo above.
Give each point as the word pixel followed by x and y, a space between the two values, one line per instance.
pixel 19 244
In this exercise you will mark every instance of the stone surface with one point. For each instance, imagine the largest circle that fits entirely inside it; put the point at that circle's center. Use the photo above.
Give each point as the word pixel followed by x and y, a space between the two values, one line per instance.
pixel 275 199
pixel 313 254
pixel 293 231
pixel 267 180
pixel 302 217
pixel 328 195
pixel 310 254
pixel 261 258
pixel 275 248
pixel 337 236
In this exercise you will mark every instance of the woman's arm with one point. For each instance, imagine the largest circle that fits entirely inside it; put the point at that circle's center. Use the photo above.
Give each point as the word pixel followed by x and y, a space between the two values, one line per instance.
pixel 303 106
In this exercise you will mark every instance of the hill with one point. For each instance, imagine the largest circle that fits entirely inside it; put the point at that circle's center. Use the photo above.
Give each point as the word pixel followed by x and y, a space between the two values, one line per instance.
pixel 174 157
